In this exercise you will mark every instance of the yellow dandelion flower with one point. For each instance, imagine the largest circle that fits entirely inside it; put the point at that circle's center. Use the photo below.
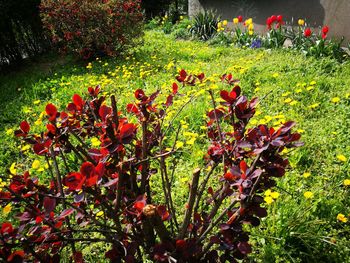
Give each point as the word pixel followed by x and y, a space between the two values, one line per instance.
pixel 13 169
pixel 308 195
pixel 179 144
pixel 275 75
pixel 191 141
pixel 268 192
pixel 335 99
pixel 346 182
pixel 95 142
pixel 25 148
pixel 36 164
pixel 288 100
pixel 268 199
pixel 294 102
pixel 99 214
pixel 306 174
pixel 36 102
pixel 7 209
pixel 275 195
pixel 342 218
pixel 314 106
pixel 341 158
pixel 9 132
pixel 38 122
pixel 312 83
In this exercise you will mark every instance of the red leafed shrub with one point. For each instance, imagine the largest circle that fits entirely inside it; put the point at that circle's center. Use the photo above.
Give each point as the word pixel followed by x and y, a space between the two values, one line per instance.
pixel 103 194
pixel 92 27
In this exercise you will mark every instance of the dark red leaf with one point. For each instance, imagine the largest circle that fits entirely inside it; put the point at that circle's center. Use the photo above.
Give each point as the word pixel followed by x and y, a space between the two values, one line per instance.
pixel 49 204
pixel 16 256
pixel 6 228
pixel 244 248
pixel 139 94
pixel 183 74
pixel 51 128
pixel 87 169
pixel 163 213
pixel 175 88
pixel 66 213
pixel 217 113
pixel 104 112
pixel 74 181
pixel 200 76
pixel 78 101
pixel 133 108
pixel 25 127
pixel 127 130
pixel 78 257
pixel 51 110
pixel 169 100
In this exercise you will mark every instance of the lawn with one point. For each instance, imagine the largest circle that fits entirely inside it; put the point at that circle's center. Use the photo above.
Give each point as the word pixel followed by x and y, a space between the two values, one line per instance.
pixel 302 225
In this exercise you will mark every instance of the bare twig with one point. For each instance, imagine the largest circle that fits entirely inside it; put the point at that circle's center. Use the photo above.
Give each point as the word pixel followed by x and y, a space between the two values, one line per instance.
pixel 203 186
pixel 213 224
pixel 190 203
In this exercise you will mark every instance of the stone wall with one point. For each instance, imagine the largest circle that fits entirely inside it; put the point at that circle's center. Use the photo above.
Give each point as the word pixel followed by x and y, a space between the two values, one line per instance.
pixel 334 13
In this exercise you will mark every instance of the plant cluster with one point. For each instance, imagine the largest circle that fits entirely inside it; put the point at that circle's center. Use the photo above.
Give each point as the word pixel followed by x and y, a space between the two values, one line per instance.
pixel 204 25
pixel 208 26
pixel 102 192
pixel 92 27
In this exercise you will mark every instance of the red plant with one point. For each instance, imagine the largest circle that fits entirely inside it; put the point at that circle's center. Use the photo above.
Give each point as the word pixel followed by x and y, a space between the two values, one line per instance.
pixel 106 190
pixel 92 27
pixel 240 19
pixel 307 32
pixel 325 30
pixel 274 19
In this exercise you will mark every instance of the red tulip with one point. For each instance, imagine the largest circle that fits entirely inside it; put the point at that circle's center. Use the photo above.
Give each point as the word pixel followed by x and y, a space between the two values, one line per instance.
pixel 307 32
pixel 280 19
pixel 269 22
pixel 325 30
pixel 240 19
pixel 273 18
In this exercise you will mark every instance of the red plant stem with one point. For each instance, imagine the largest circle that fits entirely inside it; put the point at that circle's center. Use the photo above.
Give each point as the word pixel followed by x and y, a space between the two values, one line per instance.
pixel 60 187
pixel 216 117
pixel 163 170
pixel 190 203
pixel 144 174
pixel 203 186
pixel 218 219
pixel 176 115
pixel 115 111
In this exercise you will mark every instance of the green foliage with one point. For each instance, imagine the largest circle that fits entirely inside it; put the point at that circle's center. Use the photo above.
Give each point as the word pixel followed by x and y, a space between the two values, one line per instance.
pixel 204 25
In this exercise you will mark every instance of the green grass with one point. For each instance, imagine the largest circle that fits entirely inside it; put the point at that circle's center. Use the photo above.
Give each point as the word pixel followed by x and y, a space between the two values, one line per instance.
pixel 297 229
